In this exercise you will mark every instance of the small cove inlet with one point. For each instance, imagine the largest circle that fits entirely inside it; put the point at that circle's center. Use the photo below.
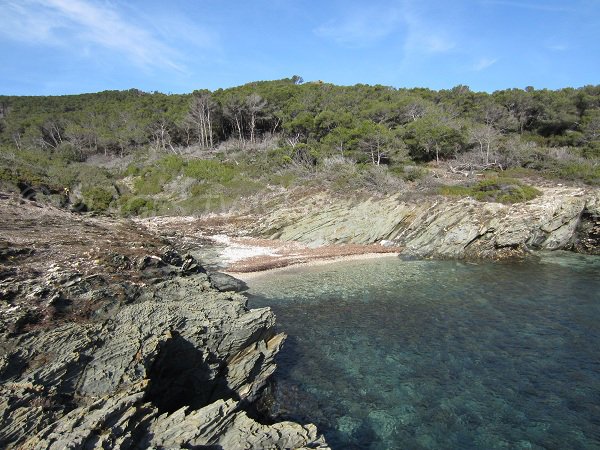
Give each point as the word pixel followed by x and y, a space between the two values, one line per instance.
pixel 386 354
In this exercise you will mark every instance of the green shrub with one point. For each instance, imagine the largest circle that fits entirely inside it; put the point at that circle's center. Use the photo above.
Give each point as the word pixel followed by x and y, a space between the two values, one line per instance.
pixel 459 191
pixel 67 153
pixel 63 176
pixel 409 173
pixel 586 171
pixel 201 189
pixel 132 170
pixel 285 178
pixel 137 206
pixel 97 199
pixel 172 164
pixel 280 156
pixel 209 170
pixel 150 183
pixel 205 203
pixel 494 189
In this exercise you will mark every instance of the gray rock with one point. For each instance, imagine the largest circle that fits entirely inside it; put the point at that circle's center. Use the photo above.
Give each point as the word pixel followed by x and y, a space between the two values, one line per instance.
pixel 561 218
pixel 171 371
pixel 226 283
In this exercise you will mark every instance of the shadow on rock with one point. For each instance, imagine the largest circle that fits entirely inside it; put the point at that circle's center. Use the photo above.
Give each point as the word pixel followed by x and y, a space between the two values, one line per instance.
pixel 180 376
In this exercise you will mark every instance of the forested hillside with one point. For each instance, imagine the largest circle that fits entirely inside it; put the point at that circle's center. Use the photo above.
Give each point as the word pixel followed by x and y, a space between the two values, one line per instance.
pixel 236 141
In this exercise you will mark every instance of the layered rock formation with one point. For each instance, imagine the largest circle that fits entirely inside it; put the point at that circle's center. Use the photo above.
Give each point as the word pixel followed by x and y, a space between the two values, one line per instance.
pixel 135 349
pixel 561 218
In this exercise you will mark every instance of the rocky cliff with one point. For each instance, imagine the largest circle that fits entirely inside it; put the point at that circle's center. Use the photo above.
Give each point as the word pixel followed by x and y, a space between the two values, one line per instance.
pixel 110 339
pixel 435 226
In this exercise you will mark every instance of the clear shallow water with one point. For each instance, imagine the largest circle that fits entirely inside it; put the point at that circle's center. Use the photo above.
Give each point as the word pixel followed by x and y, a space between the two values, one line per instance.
pixel 386 354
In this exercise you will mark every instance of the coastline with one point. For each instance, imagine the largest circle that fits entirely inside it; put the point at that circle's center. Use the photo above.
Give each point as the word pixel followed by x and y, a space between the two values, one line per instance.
pixel 74 284
pixel 250 275
pixel 246 257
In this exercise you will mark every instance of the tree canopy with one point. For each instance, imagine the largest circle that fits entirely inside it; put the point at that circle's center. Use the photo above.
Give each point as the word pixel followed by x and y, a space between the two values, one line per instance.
pixel 352 121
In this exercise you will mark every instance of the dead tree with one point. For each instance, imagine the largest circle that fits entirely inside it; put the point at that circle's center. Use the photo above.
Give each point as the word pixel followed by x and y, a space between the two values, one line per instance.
pixel 200 116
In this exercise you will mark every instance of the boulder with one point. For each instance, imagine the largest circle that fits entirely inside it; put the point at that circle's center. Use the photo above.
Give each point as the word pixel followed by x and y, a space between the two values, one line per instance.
pixel 226 283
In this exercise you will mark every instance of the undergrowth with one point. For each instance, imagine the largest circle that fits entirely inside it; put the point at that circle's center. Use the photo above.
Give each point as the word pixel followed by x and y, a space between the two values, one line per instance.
pixel 494 189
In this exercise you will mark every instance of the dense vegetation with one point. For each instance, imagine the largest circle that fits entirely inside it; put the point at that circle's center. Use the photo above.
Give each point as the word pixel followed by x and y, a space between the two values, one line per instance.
pixel 167 151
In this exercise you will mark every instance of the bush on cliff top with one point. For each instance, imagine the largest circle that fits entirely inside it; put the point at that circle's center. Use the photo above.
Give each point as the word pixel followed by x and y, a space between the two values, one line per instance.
pixel 494 189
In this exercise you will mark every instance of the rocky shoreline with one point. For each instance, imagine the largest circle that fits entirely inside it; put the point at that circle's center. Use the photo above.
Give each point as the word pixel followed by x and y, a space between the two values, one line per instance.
pixel 110 338
pixel 114 335
pixel 562 218
pixel 320 227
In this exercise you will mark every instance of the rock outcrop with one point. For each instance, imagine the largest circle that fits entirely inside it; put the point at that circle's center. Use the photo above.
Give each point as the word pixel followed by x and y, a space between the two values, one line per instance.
pixel 174 370
pixel 562 218
pixel 158 358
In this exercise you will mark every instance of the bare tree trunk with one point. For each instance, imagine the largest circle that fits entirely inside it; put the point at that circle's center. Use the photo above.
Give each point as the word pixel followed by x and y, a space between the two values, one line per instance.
pixel 17 140
pixel 238 123
pixel 255 104
pixel 252 126
pixel 277 122
pixel 200 116
pixel 210 131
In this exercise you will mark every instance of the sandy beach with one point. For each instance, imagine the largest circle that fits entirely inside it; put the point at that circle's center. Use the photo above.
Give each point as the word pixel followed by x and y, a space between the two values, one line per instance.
pixel 246 258
pixel 245 276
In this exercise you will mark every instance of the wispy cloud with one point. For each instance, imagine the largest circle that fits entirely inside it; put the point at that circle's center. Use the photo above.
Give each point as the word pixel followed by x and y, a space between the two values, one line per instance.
pixel 422 42
pixel 484 63
pixel 540 6
pixel 367 26
pixel 79 25
pixel 361 28
pixel 423 38
pixel 558 47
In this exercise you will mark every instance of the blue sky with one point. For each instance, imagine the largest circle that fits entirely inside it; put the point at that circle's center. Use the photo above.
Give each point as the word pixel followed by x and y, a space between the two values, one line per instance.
pixel 73 46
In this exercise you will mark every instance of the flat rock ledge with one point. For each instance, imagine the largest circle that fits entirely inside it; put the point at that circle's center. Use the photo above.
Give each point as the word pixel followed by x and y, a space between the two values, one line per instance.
pixel 178 368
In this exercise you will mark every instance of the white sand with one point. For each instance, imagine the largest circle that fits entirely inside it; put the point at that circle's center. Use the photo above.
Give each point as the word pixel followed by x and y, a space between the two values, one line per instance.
pixel 235 252
pixel 245 276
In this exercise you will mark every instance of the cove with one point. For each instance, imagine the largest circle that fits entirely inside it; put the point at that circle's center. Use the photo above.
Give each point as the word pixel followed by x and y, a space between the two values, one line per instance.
pixel 386 353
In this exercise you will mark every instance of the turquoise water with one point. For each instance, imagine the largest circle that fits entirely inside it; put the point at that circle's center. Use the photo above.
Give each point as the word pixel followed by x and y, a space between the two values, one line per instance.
pixel 386 354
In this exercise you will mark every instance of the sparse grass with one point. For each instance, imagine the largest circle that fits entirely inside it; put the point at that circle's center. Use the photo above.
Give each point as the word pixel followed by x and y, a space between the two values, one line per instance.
pixel 586 171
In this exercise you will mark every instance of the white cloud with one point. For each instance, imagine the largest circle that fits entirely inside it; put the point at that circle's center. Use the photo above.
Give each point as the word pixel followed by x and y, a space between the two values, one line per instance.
pixel 80 25
pixel 424 37
pixel 420 41
pixel 484 63
pixel 558 47
pixel 366 26
pixel 361 28
pixel 541 6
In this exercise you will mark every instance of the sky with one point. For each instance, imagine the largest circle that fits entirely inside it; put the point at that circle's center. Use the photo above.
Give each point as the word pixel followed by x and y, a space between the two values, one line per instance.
pixel 56 47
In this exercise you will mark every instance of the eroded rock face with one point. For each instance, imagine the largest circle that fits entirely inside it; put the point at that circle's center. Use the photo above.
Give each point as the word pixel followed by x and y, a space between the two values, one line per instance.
pixel 173 370
pixel 109 338
pixel 562 218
